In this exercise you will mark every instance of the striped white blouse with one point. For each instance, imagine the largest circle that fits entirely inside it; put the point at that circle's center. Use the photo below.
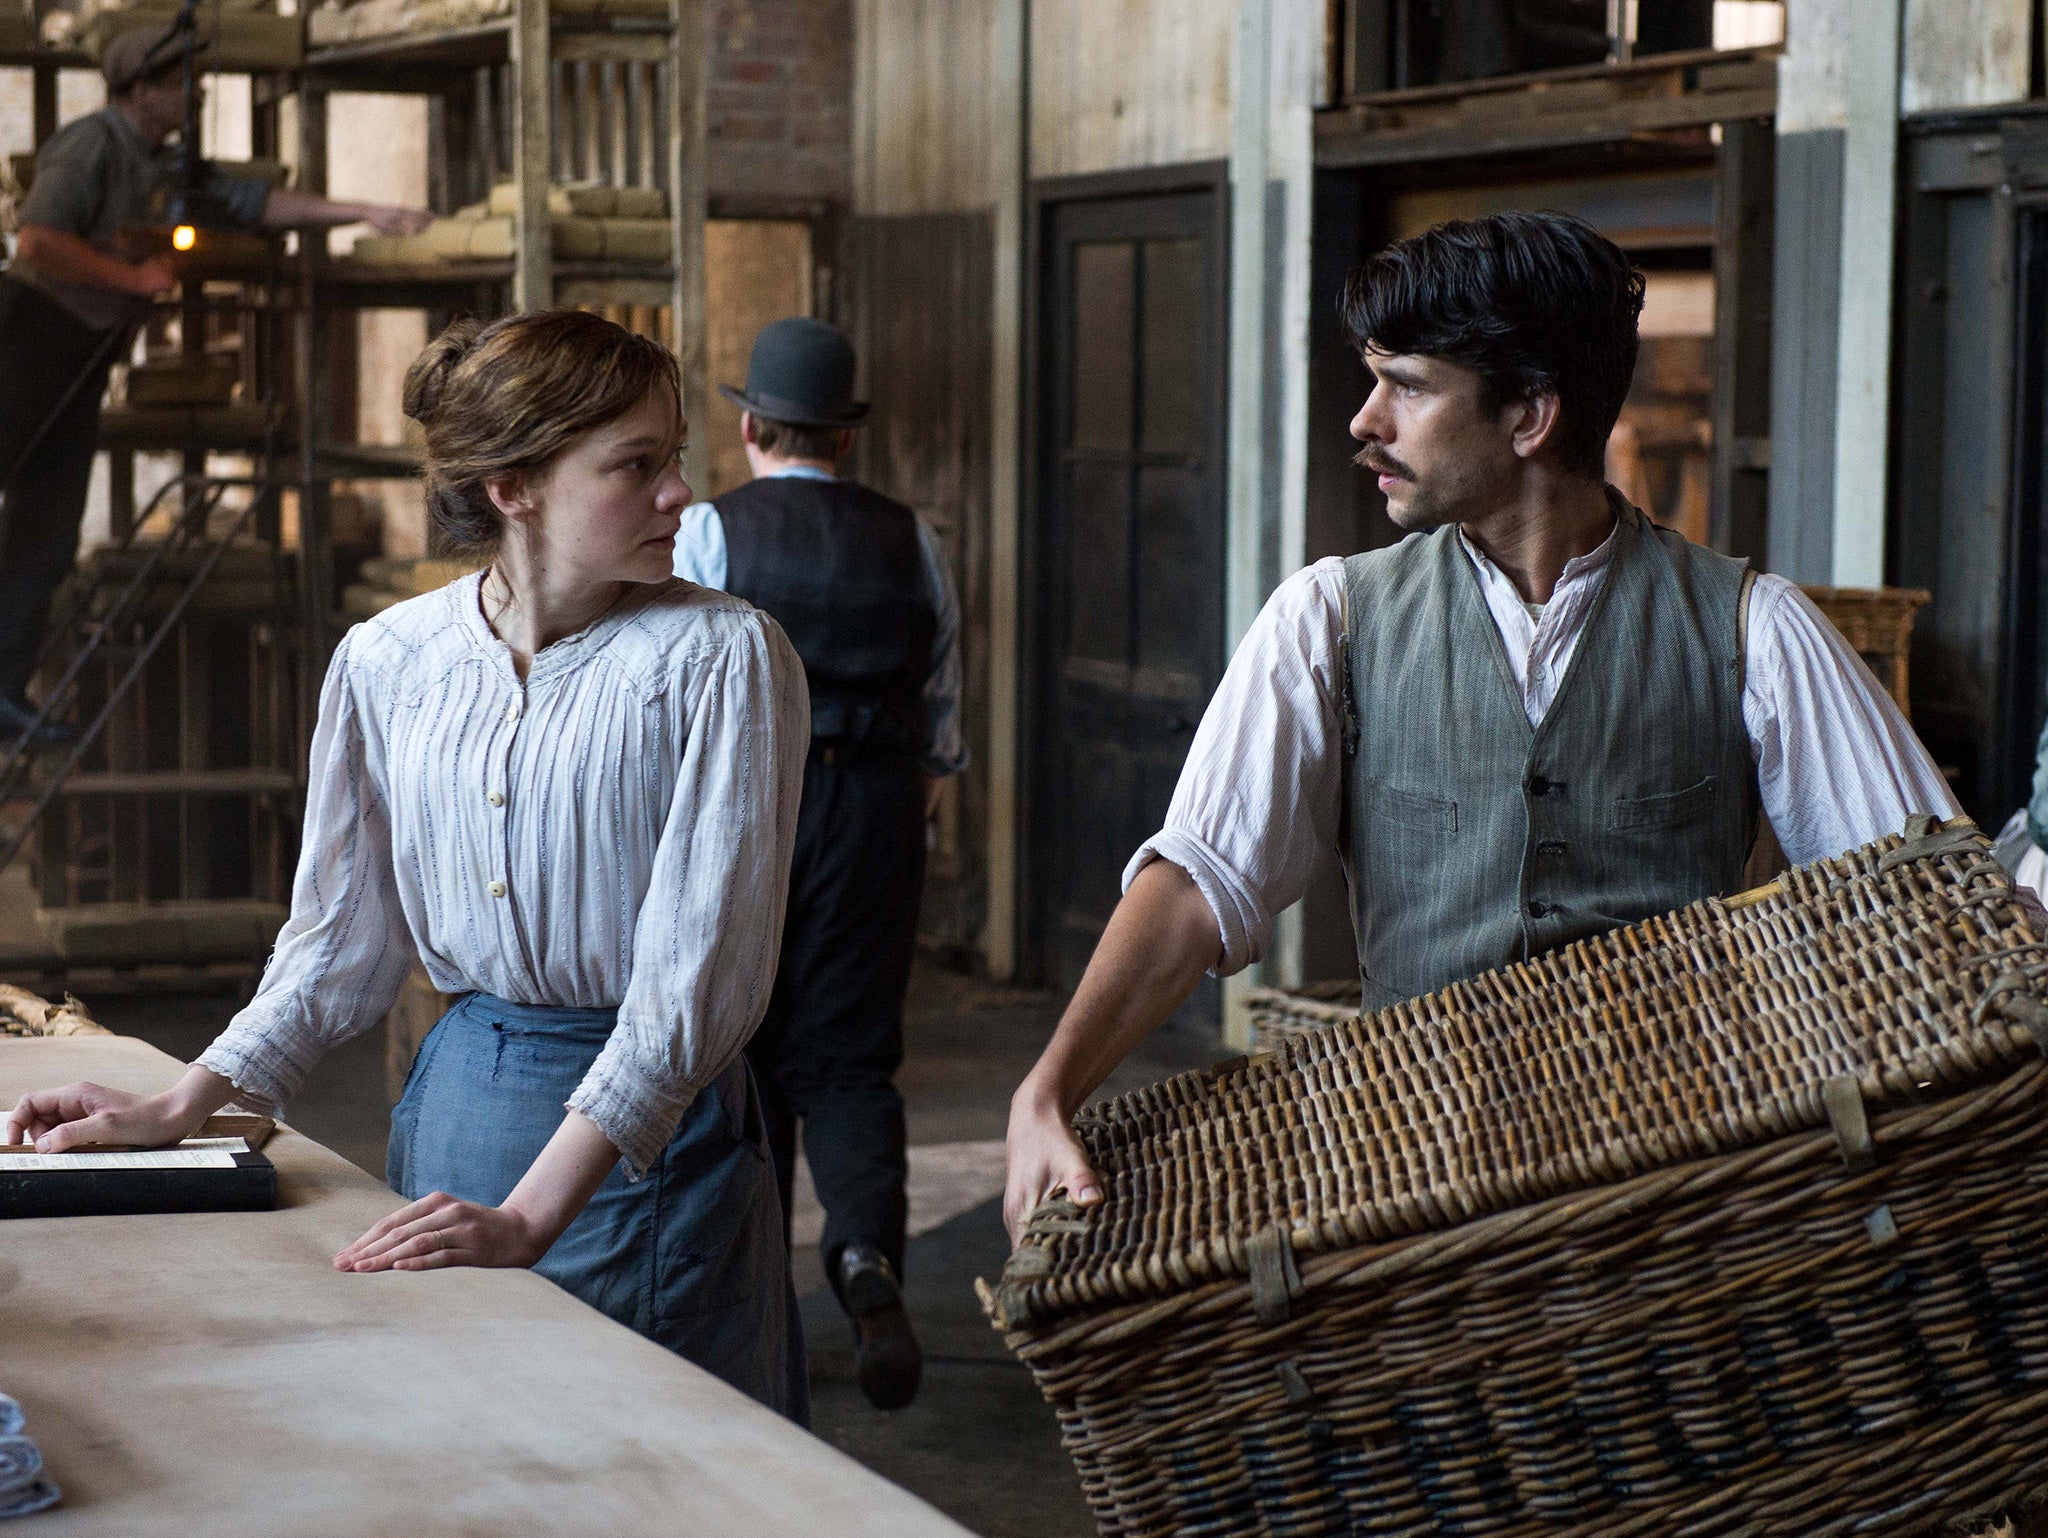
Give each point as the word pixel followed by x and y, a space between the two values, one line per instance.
pixel 614 831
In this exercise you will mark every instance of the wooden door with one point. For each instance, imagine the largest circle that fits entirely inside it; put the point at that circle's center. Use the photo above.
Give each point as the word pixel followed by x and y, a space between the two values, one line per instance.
pixel 1131 505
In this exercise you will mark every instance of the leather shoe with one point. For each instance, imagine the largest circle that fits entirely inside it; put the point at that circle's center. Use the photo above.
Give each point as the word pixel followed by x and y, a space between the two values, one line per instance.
pixel 18 719
pixel 887 1359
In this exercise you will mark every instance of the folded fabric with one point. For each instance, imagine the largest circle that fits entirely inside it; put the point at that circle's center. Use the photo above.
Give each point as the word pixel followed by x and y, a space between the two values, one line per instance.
pixel 22 1489
pixel 20 1462
pixel 40 1495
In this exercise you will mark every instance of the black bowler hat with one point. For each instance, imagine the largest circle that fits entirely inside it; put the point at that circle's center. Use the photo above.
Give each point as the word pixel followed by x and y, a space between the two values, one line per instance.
pixel 800 372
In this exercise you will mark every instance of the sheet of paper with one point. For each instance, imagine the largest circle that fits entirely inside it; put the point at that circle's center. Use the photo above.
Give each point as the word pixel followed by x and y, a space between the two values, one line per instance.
pixel 211 1153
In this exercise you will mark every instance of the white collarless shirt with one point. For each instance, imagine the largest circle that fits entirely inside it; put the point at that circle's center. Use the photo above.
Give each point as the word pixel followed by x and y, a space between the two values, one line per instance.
pixel 1256 806
pixel 614 831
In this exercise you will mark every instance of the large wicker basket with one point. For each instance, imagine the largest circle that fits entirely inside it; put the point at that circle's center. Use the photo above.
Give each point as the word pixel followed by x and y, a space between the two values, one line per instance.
pixel 1732 1222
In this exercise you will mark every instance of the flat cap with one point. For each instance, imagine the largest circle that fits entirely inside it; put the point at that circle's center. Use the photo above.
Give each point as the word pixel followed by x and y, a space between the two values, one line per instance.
pixel 134 54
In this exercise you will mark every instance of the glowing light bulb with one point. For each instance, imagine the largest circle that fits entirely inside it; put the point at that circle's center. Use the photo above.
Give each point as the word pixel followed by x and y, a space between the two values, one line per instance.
pixel 184 238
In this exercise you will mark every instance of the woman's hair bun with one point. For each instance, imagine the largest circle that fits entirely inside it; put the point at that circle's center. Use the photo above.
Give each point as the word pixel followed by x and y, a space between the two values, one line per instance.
pixel 427 381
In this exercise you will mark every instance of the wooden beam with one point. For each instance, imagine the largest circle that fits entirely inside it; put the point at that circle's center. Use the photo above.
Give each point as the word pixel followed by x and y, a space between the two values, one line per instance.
pixel 688 195
pixel 533 260
pixel 1512 132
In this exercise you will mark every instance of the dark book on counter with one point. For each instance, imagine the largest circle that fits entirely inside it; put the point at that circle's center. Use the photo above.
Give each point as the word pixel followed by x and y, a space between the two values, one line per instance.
pixel 206 1175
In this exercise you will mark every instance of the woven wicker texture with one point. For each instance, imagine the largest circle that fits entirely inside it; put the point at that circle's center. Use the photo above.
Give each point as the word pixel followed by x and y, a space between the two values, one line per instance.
pixel 1701 1032
pixel 1573 1247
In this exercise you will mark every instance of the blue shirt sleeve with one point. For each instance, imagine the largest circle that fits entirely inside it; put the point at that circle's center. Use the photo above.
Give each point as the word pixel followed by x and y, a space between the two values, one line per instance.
pixel 700 546
pixel 244 197
pixel 947 753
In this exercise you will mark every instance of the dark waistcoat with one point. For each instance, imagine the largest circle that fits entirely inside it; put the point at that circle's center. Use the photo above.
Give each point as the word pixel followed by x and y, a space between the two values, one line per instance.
pixel 841 569
pixel 1475 840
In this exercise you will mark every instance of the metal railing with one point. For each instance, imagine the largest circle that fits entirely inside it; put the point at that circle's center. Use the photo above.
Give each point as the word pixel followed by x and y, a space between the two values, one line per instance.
pixel 105 609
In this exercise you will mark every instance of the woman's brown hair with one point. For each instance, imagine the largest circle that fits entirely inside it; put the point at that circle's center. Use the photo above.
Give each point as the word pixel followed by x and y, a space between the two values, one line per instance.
pixel 507 397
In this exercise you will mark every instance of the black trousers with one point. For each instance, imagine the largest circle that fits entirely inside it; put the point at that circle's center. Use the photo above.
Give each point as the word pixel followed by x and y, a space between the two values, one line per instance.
pixel 829 1047
pixel 43 349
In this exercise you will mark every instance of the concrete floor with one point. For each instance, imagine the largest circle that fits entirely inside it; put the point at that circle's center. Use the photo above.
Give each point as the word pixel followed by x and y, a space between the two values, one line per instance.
pixel 979 1443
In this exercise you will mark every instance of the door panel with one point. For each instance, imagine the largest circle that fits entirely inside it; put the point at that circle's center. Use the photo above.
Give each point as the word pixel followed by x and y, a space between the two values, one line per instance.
pixel 1131 496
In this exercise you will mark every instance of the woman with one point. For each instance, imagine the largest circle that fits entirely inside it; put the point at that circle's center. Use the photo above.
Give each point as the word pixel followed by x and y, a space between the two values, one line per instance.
pixel 571 784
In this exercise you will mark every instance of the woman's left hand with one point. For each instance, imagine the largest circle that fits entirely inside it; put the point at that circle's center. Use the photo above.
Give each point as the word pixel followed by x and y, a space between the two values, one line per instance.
pixel 438 1230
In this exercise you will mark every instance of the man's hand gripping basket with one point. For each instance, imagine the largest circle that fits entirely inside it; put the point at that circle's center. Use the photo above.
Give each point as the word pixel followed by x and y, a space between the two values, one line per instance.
pixel 1732 1222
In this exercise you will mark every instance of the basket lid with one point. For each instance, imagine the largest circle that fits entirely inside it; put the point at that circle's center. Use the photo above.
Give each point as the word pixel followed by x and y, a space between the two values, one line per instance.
pixel 1904 970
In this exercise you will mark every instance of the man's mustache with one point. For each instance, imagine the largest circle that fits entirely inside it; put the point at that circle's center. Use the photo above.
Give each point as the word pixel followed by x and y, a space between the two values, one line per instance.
pixel 1376 459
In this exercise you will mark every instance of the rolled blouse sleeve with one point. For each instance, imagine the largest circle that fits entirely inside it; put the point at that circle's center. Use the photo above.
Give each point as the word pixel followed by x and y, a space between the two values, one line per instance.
pixel 708 936
pixel 344 952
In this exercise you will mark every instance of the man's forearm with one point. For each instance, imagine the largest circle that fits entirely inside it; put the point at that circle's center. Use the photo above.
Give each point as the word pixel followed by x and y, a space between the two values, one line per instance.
pixel 1158 943
pixel 289 209
pixel 67 258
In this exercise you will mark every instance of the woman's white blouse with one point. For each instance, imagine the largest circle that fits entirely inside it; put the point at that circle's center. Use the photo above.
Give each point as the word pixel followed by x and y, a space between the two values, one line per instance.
pixel 615 831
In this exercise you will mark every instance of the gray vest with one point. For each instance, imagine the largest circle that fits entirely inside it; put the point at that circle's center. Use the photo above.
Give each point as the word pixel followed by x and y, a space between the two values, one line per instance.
pixel 1474 840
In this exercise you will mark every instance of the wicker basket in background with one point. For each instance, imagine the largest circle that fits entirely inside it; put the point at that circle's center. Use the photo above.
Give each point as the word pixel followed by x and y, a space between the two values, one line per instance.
pixel 1732 1222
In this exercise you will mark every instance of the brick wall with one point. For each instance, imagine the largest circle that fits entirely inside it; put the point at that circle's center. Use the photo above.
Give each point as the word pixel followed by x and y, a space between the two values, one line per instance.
pixel 781 99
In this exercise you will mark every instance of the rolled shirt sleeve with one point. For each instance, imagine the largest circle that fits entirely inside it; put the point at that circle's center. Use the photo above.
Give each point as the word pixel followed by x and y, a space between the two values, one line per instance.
pixel 1837 763
pixel 242 198
pixel 709 934
pixel 1257 801
pixel 345 950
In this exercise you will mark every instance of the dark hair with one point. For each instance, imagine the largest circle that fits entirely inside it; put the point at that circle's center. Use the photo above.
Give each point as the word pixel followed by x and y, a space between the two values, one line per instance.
pixel 795 440
pixel 1536 304
pixel 507 397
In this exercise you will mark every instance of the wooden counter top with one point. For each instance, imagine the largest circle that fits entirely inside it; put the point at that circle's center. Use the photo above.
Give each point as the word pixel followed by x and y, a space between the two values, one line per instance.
pixel 211 1373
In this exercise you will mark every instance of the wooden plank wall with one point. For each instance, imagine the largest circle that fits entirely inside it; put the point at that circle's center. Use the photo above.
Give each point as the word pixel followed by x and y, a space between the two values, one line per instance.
pixel 1965 53
pixel 919 303
pixel 1117 84
pixel 937 246
pixel 923 133
pixel 920 311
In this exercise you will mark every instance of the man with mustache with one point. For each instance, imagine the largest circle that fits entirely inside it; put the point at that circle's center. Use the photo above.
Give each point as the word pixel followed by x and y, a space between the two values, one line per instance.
pixel 1535 718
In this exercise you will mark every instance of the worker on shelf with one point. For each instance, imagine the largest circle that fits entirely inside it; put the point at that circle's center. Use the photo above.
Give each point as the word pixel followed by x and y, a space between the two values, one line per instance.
pixel 1535 718
pixel 860 584
pixel 68 304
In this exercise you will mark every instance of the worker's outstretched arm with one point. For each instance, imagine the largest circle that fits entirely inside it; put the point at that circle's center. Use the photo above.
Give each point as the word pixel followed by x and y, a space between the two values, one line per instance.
pixel 288 209
pixel 1159 942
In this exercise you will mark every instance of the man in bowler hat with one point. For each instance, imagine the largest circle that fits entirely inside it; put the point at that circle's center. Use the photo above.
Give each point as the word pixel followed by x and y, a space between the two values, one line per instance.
pixel 860 584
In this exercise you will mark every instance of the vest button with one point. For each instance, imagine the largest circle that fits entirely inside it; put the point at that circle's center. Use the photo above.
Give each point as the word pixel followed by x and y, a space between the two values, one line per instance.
pixel 1539 786
pixel 1539 909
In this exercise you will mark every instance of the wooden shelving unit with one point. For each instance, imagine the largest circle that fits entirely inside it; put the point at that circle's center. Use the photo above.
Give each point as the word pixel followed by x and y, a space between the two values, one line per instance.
pixel 535 99
pixel 198 779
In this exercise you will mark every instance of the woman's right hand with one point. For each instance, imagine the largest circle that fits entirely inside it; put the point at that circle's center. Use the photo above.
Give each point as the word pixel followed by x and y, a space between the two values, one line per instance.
pixel 81 1114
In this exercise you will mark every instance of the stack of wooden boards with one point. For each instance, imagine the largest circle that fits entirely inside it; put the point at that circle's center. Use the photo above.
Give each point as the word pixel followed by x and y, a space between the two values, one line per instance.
pixel 238 34
pixel 1734 1221
pixel 587 223
pixel 334 24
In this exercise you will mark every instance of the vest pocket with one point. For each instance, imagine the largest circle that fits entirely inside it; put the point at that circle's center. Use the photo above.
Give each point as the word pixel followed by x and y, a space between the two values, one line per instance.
pixel 1667 810
pixel 1410 809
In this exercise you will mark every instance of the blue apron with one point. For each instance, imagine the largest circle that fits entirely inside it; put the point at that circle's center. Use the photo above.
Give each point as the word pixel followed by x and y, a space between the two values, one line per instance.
pixel 692 1256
